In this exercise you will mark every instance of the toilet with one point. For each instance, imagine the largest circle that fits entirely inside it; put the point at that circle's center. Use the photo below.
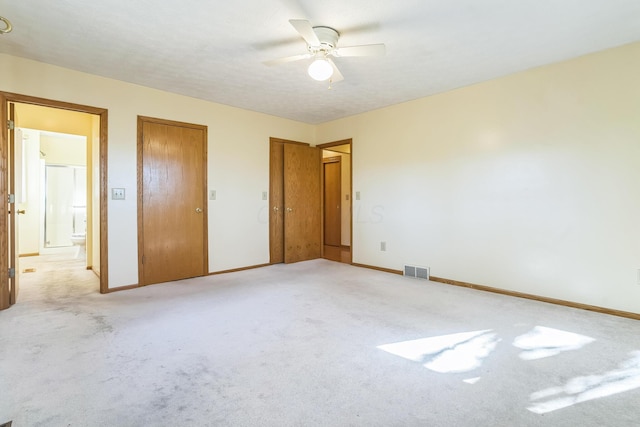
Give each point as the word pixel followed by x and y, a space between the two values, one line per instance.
pixel 79 240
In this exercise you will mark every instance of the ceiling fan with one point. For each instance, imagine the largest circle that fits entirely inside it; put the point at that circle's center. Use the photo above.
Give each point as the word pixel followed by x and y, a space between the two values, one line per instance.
pixel 322 44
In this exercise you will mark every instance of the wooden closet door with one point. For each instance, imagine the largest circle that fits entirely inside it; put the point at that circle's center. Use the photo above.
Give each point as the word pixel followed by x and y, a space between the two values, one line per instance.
pixel 173 214
pixel 302 203
pixel 276 202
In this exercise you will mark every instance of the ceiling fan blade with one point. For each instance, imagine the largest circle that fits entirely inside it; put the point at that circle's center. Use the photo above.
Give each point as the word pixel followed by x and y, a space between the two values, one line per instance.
pixel 305 29
pixel 337 75
pixel 363 50
pixel 286 59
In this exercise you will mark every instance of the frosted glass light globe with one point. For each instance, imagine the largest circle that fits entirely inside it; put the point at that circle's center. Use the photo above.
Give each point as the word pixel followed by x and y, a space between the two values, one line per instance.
pixel 320 70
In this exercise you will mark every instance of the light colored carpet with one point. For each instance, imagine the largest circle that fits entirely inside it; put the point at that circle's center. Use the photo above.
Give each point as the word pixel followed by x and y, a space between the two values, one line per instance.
pixel 310 344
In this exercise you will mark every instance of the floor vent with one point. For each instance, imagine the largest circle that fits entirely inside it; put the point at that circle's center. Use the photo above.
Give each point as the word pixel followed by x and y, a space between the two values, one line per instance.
pixel 418 272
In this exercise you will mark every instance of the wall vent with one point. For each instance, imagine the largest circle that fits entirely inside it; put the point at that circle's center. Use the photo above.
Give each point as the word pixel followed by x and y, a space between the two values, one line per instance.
pixel 418 272
pixel 409 271
pixel 422 273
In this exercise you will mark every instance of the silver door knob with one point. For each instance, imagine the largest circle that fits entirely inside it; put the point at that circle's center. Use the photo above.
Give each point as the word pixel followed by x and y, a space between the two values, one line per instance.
pixel 198 210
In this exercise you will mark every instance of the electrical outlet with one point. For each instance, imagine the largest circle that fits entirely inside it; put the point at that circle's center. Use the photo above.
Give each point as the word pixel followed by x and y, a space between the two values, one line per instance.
pixel 383 246
pixel 117 194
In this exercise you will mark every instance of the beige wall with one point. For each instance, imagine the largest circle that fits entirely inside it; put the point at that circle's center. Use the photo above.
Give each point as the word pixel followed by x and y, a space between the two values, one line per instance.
pixel 62 150
pixel 238 159
pixel 53 120
pixel 527 182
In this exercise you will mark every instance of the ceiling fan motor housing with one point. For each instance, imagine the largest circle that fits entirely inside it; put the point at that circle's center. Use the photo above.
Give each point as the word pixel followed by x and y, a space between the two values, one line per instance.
pixel 328 39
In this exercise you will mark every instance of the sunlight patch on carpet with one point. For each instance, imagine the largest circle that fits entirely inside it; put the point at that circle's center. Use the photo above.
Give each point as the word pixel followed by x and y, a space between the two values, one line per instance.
pixel 453 353
pixel 589 387
pixel 543 342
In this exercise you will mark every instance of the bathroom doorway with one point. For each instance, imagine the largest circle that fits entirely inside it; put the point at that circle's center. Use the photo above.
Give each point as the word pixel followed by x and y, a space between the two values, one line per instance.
pixel 28 112
pixel 64 204
pixel 55 194
pixel 65 208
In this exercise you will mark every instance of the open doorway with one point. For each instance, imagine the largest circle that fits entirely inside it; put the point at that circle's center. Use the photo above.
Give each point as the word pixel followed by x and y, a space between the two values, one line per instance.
pixel 56 187
pixel 55 200
pixel 336 206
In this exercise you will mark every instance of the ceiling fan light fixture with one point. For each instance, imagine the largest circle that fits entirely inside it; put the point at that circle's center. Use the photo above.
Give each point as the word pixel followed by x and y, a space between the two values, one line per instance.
pixel 7 25
pixel 320 69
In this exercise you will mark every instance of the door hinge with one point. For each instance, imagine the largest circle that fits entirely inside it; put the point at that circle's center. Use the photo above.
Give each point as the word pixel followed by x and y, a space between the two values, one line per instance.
pixel 12 198
pixel 142 259
pixel 11 125
pixel 12 273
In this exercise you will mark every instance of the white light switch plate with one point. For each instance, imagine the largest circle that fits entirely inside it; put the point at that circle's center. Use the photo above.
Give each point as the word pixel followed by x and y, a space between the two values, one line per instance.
pixel 117 194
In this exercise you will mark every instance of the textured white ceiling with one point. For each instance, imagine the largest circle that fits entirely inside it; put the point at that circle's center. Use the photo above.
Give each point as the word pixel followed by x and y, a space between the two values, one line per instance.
pixel 214 50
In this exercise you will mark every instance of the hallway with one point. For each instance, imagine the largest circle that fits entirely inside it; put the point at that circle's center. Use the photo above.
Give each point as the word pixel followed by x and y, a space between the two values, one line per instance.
pixel 47 278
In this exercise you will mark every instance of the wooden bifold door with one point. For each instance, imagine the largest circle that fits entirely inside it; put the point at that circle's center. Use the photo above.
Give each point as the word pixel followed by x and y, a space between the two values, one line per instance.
pixel 295 220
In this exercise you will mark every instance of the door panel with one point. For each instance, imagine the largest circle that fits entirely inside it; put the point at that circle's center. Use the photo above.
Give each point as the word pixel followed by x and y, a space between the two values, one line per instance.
pixel 15 171
pixel 302 217
pixel 173 202
pixel 332 201
pixel 276 202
